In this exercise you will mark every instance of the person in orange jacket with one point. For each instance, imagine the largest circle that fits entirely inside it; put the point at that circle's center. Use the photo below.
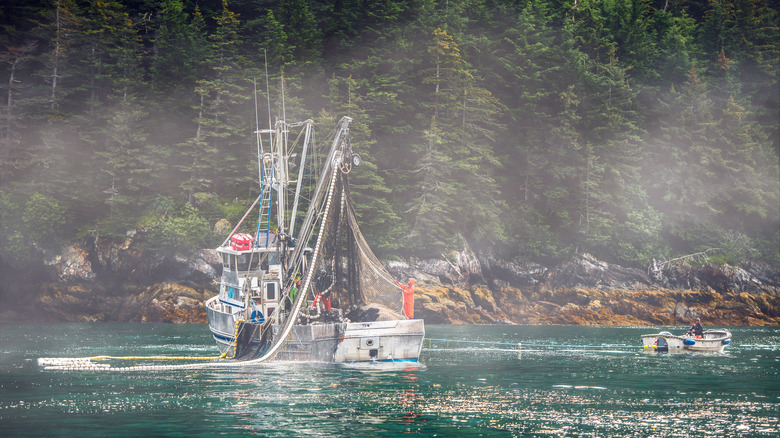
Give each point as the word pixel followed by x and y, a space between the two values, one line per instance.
pixel 408 291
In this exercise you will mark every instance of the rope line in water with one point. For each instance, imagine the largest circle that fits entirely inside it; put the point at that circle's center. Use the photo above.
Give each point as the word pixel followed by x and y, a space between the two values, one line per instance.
pixel 87 364
pixel 523 344
pixel 152 358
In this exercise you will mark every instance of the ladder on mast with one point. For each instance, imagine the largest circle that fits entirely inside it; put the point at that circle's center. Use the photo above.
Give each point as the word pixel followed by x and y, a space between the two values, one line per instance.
pixel 267 176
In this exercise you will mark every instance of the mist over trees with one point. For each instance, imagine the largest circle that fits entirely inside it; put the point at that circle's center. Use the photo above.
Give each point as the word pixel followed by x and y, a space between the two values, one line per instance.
pixel 630 129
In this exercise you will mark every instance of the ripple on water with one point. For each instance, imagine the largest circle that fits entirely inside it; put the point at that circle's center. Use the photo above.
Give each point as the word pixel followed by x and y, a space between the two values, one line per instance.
pixel 568 381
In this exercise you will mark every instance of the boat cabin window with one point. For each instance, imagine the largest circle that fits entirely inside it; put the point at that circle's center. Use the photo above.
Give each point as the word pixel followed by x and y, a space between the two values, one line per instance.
pixel 270 291
pixel 240 262
pixel 272 259
pixel 244 262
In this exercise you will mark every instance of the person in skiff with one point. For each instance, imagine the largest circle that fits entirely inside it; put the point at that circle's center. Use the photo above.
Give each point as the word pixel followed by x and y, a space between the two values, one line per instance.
pixel 696 329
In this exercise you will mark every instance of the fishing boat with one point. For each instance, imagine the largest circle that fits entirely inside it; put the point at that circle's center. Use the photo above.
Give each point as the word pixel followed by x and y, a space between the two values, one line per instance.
pixel 301 283
pixel 709 341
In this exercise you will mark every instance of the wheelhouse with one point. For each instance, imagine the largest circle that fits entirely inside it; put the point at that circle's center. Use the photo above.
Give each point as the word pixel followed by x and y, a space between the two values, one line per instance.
pixel 251 278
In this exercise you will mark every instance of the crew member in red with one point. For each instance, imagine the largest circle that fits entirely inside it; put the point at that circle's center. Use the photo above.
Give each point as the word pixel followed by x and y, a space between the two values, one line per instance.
pixel 408 291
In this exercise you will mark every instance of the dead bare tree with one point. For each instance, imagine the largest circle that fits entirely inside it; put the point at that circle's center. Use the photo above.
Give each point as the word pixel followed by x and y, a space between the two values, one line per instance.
pixel 15 57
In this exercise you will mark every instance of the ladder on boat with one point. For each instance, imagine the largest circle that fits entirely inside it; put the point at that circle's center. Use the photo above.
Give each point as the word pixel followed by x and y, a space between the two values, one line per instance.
pixel 266 198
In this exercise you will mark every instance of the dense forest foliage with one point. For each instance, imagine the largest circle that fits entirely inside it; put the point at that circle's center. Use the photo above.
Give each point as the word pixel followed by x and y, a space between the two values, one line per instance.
pixel 535 129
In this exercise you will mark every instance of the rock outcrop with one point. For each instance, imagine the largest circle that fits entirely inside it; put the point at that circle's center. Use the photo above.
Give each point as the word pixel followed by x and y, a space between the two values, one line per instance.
pixel 111 280
pixel 162 302
pixel 584 290
pixel 119 280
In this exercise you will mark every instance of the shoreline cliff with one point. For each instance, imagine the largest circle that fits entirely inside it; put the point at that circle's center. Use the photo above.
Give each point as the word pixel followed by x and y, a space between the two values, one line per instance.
pixel 96 280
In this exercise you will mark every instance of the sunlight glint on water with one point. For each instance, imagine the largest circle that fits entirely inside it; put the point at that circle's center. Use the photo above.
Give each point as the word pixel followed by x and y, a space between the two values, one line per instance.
pixel 574 381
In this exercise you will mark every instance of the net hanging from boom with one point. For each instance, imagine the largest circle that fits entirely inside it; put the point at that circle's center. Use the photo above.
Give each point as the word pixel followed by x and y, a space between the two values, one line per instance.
pixel 363 279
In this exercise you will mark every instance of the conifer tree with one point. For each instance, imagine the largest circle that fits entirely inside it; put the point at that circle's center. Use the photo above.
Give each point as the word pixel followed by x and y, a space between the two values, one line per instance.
pixel 378 221
pixel 104 53
pixel 125 161
pixel 545 147
pixel 703 169
pixel 277 51
pixel 12 120
pixel 630 26
pixel 677 48
pixel 212 156
pixel 118 133
pixel 301 29
pixel 179 50
pixel 456 194
pixel 61 29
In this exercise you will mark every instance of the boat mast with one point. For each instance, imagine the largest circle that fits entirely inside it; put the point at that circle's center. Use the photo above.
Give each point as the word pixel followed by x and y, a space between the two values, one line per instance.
pixel 280 170
pixel 281 167
pixel 334 159
pixel 301 171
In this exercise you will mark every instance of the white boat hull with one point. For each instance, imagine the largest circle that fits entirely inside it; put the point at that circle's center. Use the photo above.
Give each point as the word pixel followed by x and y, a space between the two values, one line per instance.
pixel 713 341
pixel 377 341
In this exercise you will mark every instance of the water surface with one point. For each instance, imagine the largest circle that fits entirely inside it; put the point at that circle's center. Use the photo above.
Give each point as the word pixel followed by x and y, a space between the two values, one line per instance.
pixel 471 381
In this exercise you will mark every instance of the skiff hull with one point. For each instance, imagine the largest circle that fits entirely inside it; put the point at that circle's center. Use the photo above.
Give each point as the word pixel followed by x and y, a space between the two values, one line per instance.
pixel 713 341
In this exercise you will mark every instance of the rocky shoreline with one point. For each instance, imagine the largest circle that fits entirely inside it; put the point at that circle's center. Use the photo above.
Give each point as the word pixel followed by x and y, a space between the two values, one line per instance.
pixel 586 291
pixel 117 280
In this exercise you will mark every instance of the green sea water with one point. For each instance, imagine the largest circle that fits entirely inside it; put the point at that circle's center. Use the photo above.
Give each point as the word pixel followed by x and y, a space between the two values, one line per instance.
pixel 471 381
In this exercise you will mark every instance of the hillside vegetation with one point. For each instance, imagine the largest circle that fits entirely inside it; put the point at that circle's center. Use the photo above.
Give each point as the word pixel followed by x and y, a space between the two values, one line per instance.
pixel 533 130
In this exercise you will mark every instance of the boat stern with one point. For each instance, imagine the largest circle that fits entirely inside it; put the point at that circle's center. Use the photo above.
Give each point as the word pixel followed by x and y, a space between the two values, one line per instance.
pixel 663 341
pixel 381 341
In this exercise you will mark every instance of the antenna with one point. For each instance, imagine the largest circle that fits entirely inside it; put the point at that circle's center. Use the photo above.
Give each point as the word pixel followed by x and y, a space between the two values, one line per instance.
pixel 257 136
pixel 267 88
pixel 284 111
pixel 284 120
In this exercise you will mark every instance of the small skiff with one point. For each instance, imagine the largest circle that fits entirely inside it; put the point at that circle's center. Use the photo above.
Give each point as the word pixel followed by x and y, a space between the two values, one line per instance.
pixel 711 341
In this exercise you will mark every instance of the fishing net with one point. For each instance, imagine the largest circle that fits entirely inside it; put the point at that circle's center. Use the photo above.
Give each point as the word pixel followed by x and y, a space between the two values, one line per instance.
pixel 251 342
pixel 357 273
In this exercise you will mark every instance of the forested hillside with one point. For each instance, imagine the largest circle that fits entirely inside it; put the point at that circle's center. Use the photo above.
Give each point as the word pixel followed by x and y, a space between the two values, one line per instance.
pixel 629 129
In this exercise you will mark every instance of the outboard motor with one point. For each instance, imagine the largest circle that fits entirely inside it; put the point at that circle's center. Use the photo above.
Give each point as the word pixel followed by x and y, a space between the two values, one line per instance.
pixel 661 345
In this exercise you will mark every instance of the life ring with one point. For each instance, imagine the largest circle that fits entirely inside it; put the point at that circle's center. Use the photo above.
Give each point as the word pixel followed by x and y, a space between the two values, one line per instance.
pixel 257 317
